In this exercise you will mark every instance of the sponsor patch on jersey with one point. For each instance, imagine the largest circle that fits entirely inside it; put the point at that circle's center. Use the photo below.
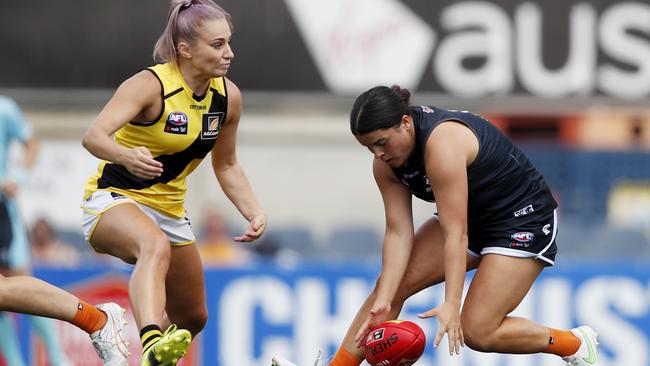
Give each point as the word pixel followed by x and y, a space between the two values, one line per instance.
pixel 524 211
pixel 212 123
pixel 426 109
pixel 177 123
pixel 522 237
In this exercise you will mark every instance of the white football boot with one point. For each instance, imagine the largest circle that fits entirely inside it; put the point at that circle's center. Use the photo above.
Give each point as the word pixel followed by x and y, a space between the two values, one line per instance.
pixel 110 341
pixel 587 353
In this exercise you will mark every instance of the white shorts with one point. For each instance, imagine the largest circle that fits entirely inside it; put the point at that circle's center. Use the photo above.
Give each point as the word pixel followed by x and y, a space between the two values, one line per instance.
pixel 177 230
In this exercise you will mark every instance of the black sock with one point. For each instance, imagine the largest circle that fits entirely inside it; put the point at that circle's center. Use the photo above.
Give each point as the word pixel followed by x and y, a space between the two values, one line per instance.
pixel 149 335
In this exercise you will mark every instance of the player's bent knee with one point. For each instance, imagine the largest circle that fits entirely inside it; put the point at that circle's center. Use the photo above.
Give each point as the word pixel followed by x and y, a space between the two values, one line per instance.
pixel 476 342
pixel 156 248
pixel 477 338
pixel 194 321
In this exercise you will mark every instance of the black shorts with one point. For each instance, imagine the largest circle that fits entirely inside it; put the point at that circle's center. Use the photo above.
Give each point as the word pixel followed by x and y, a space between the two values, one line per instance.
pixel 6 233
pixel 533 237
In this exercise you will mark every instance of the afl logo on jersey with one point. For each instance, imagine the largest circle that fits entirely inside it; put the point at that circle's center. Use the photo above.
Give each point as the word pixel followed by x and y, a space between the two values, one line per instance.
pixel 212 123
pixel 176 123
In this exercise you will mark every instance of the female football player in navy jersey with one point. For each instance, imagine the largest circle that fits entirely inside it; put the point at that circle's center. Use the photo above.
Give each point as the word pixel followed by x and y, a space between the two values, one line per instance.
pixel 495 214
pixel 151 135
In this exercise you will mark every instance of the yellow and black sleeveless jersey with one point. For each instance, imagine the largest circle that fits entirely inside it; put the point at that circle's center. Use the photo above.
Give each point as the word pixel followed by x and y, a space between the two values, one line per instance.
pixel 182 135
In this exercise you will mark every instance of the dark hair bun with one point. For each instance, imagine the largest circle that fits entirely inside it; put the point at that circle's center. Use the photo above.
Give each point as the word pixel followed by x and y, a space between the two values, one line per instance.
pixel 405 94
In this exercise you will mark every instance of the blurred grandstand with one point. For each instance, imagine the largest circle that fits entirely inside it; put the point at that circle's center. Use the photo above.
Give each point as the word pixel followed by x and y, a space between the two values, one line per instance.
pixel 317 184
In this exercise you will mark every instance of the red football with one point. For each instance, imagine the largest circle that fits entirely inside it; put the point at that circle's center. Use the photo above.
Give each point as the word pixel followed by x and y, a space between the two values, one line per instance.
pixel 395 343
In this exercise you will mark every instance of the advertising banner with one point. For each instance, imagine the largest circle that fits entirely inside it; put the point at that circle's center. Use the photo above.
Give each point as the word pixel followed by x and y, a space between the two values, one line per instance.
pixel 549 49
pixel 299 312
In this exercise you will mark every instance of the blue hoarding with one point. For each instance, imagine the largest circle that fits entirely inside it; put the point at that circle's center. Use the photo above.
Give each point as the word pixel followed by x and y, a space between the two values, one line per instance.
pixel 297 311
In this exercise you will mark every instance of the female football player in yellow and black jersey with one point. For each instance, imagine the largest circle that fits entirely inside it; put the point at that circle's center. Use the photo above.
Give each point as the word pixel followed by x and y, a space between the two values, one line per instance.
pixel 151 135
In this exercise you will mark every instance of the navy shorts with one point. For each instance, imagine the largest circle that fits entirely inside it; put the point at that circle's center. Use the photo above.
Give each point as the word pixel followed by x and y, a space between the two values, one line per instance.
pixel 533 237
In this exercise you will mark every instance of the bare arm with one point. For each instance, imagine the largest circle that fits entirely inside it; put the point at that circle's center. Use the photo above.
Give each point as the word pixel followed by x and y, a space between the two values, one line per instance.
pixel 136 99
pixel 450 148
pixel 10 187
pixel 230 174
pixel 397 246
pixel 398 239
pixel 31 150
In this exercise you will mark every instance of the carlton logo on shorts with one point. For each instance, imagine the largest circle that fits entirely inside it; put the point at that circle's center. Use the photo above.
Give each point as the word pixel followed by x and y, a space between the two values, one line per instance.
pixel 176 123
pixel 212 123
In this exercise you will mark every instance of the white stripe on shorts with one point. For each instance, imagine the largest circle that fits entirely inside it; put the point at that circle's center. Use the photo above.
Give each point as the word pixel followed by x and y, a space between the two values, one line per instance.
pixel 523 254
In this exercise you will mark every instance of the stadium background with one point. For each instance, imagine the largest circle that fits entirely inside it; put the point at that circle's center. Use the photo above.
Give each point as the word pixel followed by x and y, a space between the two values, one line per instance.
pixel 569 81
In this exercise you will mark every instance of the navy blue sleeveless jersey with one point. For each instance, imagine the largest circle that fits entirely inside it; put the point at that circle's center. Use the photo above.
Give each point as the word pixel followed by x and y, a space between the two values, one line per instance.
pixel 504 186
